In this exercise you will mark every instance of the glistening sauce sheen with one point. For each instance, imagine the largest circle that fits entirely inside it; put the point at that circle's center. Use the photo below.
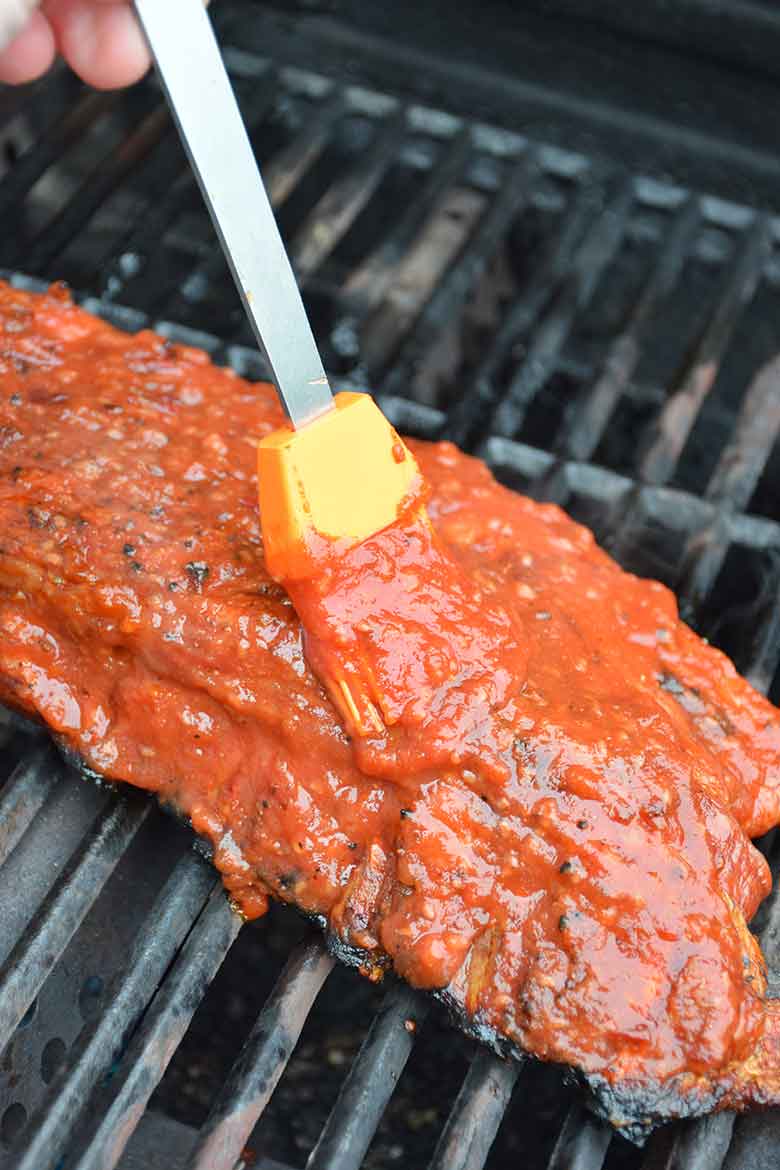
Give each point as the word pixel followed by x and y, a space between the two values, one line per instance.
pixel 559 840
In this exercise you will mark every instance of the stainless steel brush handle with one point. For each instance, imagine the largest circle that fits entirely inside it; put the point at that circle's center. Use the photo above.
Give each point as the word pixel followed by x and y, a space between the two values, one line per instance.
pixel 204 107
pixel 14 15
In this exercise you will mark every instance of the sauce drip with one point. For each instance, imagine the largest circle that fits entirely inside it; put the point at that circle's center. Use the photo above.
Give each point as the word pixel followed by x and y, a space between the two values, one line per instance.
pixel 443 656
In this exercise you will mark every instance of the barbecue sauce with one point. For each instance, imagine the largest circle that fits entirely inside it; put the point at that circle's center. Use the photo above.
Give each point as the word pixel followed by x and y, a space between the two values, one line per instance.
pixel 558 841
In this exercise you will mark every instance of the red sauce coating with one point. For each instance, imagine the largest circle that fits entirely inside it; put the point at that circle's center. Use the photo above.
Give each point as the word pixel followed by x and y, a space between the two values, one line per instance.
pixel 558 837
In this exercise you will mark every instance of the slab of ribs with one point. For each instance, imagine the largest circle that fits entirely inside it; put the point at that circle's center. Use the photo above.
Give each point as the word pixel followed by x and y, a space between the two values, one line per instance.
pixel 556 842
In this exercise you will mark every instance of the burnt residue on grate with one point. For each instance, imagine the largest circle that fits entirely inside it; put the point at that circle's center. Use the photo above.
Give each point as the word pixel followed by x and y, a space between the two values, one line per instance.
pixel 604 340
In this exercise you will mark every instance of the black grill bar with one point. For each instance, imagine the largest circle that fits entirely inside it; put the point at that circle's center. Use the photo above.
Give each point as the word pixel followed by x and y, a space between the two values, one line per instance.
pixel 58 91
pixel 582 434
pixel 702 1146
pixel 24 794
pixel 703 559
pixel 369 1086
pixel 593 257
pixel 744 457
pixel 149 267
pixel 468 418
pixel 121 1105
pixel 50 147
pixel 766 653
pixel 138 248
pixel 287 168
pixel 582 1143
pixel 47 935
pixel 730 487
pixel 176 908
pixel 370 282
pixel 670 431
pixel 263 1059
pixel 104 180
pixel 137 258
pixel 477 1113
pixel 168 179
pixel 331 218
pixel 397 370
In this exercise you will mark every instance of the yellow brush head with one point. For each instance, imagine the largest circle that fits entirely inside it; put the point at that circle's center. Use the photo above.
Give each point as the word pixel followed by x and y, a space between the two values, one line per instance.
pixel 343 477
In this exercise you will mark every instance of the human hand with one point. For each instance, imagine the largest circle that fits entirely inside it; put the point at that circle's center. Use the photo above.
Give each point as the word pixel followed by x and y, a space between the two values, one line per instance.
pixel 100 39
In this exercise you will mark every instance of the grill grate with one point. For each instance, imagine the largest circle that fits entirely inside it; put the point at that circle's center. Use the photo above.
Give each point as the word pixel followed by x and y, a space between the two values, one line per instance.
pixel 594 335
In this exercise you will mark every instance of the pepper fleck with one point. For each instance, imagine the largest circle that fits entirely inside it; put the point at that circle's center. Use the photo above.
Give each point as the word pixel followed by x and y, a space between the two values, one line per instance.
pixel 197 571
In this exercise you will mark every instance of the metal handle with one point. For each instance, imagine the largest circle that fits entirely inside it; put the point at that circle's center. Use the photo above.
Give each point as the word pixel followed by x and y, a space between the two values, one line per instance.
pixel 204 107
pixel 14 15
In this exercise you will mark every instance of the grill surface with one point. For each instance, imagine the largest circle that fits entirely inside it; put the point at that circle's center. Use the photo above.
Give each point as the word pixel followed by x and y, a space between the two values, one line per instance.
pixel 604 340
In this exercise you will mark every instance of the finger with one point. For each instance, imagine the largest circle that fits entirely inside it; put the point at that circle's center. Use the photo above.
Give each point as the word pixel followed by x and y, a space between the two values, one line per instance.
pixel 102 43
pixel 30 54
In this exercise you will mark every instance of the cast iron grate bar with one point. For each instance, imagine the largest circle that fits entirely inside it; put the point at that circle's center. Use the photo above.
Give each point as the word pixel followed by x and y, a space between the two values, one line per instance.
pixel 732 484
pixel 52 144
pixel 58 90
pixel 161 287
pixel 42 252
pixel 370 1082
pixel 49 932
pixel 365 289
pixel 334 213
pixel 766 654
pixel 138 251
pixel 594 256
pixel 582 1143
pixel 332 216
pixel 170 919
pixel 744 457
pixel 287 168
pixel 25 793
pixel 664 444
pixel 582 433
pixel 167 180
pixel 702 1146
pixel 263 1059
pixel 137 262
pixel 121 1103
pixel 467 417
pixel 397 370
pixel 703 557
pixel 477 1113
